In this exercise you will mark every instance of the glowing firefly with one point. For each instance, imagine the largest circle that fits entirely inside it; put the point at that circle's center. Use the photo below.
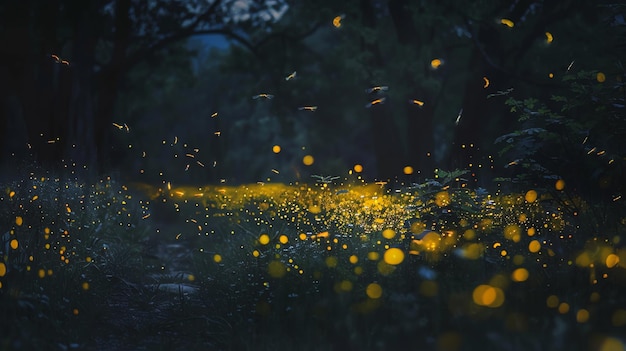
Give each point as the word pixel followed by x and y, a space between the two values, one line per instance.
pixel 570 66
pixel 376 102
pixel 458 118
pixel 549 37
pixel 337 21
pixel 308 108
pixel 507 22
pixel 486 82
pixel 214 115
pixel 435 63
pixel 419 103
pixel 291 76
pixel 376 89
pixel 264 96
pixel 57 59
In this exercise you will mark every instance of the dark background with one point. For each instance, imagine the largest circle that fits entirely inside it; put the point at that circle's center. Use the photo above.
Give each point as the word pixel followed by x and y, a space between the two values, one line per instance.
pixel 163 68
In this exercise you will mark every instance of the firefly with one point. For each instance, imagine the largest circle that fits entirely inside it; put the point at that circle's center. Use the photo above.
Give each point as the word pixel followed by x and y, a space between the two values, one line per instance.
pixel 486 82
pixel 507 22
pixel 458 118
pixel 417 102
pixel 307 108
pixel 264 96
pixel 214 115
pixel 435 63
pixel 337 21
pixel 376 102
pixel 376 89
pixel 291 76
pixel 549 37
pixel 570 66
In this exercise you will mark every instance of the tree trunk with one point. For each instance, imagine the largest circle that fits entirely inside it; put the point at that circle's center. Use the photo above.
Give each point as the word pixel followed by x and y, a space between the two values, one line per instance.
pixel 419 120
pixel 388 151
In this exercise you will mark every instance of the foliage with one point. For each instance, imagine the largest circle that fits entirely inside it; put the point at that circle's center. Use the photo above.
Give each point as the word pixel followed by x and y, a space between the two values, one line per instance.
pixel 578 137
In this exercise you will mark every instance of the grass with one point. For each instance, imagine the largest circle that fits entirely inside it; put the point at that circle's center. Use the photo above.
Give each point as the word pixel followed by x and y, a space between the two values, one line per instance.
pixel 320 266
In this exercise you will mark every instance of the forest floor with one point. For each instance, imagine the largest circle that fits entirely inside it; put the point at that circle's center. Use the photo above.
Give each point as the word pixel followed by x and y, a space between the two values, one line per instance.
pixel 307 267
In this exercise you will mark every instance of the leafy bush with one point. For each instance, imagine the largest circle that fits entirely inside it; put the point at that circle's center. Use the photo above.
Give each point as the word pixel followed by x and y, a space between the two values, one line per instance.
pixel 577 139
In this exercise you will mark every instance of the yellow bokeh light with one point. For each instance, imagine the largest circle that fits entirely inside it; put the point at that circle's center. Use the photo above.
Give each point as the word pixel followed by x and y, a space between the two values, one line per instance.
pixel 373 256
pixel 600 77
pixel 393 256
pixel 618 319
pixel 276 269
pixel 276 149
pixel 610 344
pixel 264 239
pixel 519 275
pixel 473 251
pixel 354 259
pixel 531 231
pixel 217 258
pixel 18 221
pixel 552 301
pixel 3 269
pixel 442 199
pixel 358 168
pixel 389 233
pixel 513 232
pixel 41 273
pixel 85 285
pixel 534 246
pixel 487 295
pixel 407 170
pixel 417 227
pixel 469 234
pixel 563 307
pixel 582 316
pixel 531 196
pixel 384 268
pixel 435 63
pixel 559 185
pixel 346 285
pixel 611 260
pixel 374 291
pixel 308 160
pixel 256 253
pixel 283 239
pixel 331 261
pixel 431 241
pixel 14 244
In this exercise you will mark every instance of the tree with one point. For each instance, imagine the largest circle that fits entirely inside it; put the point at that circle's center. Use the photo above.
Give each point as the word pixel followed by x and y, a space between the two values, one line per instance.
pixel 68 62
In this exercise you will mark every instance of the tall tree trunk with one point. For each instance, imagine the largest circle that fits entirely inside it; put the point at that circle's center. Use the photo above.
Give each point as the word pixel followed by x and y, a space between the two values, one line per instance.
pixel 419 120
pixel 109 82
pixel 389 153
